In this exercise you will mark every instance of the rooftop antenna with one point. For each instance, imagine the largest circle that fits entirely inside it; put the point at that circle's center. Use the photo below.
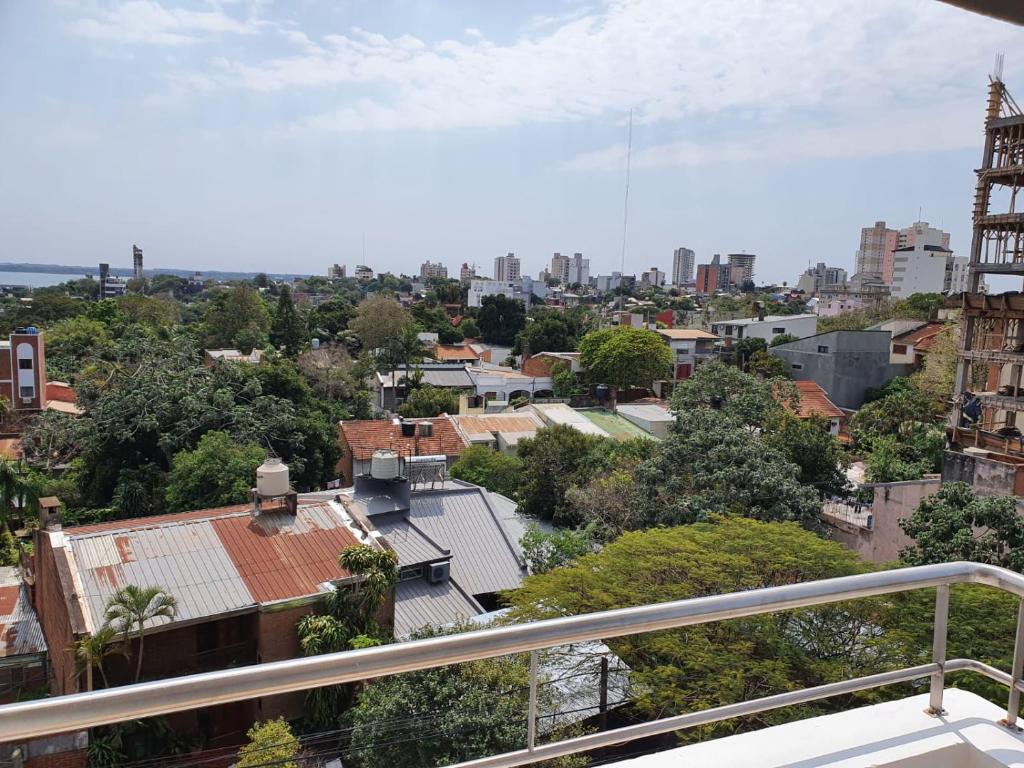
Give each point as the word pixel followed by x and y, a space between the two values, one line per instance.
pixel 625 208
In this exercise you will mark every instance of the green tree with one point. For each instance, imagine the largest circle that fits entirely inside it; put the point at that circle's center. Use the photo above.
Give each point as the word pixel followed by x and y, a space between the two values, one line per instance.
pixel 426 401
pixel 712 465
pixel 547 550
pixel 270 743
pixel 955 524
pixel 131 607
pixel 910 456
pixel 765 365
pixel 563 379
pixel 10 554
pixel 936 376
pixel 625 356
pixel 287 331
pixel 92 650
pixel 379 320
pixel 554 460
pixel 745 350
pixel 808 444
pixel 469 328
pixel 902 408
pixel 736 394
pixel 18 491
pixel 500 319
pixel 237 317
pixel 152 312
pixel 550 332
pixel 783 338
pixel 495 471
pixel 216 473
pixel 70 343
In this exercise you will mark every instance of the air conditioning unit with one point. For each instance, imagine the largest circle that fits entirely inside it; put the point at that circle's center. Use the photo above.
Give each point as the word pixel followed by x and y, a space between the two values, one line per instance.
pixel 440 572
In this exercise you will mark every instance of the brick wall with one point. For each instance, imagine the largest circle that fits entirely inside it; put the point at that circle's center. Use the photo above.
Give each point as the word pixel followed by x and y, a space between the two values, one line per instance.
pixel 278 640
pixel 54 613
pixel 538 365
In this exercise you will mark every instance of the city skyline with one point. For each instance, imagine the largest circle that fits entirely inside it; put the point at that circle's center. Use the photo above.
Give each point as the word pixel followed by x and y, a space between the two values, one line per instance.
pixel 276 137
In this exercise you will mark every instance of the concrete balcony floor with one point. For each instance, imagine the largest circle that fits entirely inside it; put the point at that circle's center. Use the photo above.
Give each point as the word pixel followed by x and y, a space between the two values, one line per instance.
pixel 897 734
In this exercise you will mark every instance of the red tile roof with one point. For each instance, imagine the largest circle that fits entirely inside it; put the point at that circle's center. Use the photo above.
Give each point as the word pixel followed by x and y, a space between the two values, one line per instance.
pixel 814 402
pixel 451 352
pixel 362 438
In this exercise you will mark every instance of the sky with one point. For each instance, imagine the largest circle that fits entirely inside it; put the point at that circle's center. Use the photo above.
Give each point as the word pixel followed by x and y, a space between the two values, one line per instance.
pixel 283 135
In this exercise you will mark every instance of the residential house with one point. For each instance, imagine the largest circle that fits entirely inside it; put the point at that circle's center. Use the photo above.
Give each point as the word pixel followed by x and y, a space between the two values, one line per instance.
pixel 242 579
pixel 23 667
pixel 912 346
pixel 845 364
pixel 560 413
pixel 501 431
pixel 358 440
pixel 457 545
pixel 765 327
pixel 495 382
pixel 542 363
pixel 814 402
pixel 212 356
pixel 690 347
pixel 454 353
pixel 390 389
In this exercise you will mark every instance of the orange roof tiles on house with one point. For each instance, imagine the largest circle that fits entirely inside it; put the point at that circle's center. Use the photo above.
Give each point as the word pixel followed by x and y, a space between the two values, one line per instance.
pixel 362 438
pixel 453 352
pixel 814 402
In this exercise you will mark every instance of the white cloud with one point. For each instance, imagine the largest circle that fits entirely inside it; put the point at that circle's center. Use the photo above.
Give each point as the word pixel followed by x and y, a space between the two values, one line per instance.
pixel 147 22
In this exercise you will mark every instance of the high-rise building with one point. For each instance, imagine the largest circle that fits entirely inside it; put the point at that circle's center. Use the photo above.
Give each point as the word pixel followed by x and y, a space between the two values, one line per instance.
pixel 364 272
pixel 713 276
pixel 924 268
pixel 874 243
pixel 579 270
pixel 336 271
pixel 918 233
pixel 467 273
pixel 741 268
pixel 653 276
pixel 137 261
pixel 430 269
pixel 507 268
pixel 559 268
pixel 683 260
pixel 821 276
pixel 111 286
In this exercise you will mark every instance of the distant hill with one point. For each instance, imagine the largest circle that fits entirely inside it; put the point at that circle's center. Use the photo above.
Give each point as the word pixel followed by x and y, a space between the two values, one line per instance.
pixel 71 269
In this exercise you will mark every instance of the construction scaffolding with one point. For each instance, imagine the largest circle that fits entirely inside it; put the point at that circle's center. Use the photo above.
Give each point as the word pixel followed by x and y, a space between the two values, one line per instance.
pixel 989 391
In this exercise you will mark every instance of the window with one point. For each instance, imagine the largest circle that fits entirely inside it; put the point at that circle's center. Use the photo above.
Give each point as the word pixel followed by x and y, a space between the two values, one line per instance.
pixel 822 349
pixel 777 331
pixel 25 363
pixel 681 351
pixel 28 392
pixel 797 366
pixel 411 572
pixel 899 349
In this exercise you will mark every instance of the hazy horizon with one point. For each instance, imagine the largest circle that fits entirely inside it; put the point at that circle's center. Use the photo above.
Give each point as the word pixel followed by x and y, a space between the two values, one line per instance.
pixel 248 135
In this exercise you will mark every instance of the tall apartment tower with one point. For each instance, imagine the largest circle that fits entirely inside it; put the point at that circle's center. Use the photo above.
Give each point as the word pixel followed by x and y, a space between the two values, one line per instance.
pixel 989 391
pixel 874 243
pixel 741 267
pixel 467 273
pixel 579 270
pixel 683 260
pixel 559 268
pixel 137 261
pixel 507 268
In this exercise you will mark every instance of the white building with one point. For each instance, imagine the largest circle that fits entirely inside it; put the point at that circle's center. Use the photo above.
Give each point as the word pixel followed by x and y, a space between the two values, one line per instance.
pixel 579 270
pixel 363 272
pixel 507 268
pixel 765 327
pixel 922 268
pixel 478 289
pixel 653 276
pixel 607 283
pixel 683 260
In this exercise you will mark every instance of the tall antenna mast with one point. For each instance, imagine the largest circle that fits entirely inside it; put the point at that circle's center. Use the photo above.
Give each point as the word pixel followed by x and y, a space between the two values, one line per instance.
pixel 625 207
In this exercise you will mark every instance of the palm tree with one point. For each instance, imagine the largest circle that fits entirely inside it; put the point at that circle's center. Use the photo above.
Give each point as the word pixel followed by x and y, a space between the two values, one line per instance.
pixel 92 649
pixel 379 571
pixel 131 607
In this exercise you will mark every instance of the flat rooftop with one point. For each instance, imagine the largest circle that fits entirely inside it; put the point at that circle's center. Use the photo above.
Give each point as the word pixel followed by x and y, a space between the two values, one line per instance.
pixel 896 734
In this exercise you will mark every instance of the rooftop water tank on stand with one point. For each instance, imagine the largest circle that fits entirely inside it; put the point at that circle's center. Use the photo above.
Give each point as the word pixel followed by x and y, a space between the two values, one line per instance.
pixel 384 465
pixel 272 478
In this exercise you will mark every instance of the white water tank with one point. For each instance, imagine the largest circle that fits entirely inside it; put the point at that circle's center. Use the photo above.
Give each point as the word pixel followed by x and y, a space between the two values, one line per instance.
pixel 384 464
pixel 272 478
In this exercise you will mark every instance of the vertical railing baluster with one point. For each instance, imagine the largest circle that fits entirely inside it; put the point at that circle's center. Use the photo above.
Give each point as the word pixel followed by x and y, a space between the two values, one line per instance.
pixel 531 724
pixel 939 636
pixel 1013 704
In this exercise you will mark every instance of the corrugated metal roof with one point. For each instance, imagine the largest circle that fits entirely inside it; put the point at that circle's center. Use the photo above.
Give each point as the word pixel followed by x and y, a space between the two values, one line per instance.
pixel 20 632
pixel 476 426
pixel 485 554
pixel 560 413
pixel 408 541
pixel 220 563
pixel 451 376
pixel 646 412
pixel 418 603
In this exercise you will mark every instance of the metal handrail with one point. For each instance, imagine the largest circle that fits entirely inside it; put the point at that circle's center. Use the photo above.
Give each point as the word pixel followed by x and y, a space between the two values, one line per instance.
pixel 22 721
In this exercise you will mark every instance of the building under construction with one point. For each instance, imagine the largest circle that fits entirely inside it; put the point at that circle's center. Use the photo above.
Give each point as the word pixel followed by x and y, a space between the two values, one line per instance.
pixel 986 443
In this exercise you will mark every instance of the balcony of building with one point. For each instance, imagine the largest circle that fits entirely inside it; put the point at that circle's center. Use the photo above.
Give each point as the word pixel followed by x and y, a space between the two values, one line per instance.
pixel 932 726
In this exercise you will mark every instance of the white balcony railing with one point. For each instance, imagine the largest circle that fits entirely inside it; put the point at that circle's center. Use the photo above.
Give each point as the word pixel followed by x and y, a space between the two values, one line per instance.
pixel 23 721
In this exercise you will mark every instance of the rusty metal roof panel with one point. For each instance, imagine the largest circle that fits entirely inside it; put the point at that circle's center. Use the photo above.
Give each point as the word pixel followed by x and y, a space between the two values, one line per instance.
pixel 20 631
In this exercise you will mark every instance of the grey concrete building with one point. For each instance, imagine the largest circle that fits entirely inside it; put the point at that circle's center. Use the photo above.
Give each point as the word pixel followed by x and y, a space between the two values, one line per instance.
pixel 846 364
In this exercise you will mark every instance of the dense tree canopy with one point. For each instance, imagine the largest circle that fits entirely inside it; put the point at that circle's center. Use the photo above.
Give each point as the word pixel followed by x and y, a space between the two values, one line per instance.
pixel 500 319
pixel 237 317
pixel 625 356
pixel 426 401
pixel 495 471
pixel 216 473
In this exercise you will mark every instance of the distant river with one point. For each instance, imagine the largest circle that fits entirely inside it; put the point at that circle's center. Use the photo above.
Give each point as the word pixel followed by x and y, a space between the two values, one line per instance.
pixel 36 279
